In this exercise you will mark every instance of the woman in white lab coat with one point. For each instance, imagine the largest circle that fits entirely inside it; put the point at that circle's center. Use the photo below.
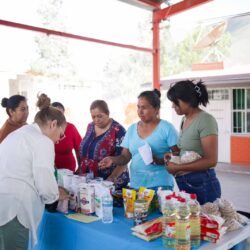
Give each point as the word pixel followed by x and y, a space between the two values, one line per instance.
pixel 27 179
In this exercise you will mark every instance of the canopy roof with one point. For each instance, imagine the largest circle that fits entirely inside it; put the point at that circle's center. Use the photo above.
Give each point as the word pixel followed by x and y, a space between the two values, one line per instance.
pixel 159 12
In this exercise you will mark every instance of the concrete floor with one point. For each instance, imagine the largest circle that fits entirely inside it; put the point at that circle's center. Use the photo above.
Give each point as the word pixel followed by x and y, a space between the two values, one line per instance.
pixel 235 183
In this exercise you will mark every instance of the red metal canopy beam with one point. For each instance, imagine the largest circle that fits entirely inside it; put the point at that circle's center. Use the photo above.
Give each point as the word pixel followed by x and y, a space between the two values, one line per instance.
pixel 177 8
pixel 72 36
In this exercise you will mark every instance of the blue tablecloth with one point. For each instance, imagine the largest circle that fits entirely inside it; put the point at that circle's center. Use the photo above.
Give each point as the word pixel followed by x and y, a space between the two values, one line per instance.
pixel 56 232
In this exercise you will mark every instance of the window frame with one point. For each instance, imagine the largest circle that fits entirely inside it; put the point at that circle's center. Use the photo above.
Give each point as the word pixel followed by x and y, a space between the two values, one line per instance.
pixel 244 111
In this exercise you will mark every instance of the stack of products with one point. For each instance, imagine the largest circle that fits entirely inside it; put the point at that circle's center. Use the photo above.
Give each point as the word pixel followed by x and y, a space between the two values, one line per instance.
pixel 181 219
pixel 225 210
pixel 211 228
pixel 149 230
pixel 129 197
pixel 86 195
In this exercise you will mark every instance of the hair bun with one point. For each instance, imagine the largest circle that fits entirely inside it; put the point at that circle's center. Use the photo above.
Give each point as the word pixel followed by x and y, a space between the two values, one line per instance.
pixel 43 101
pixel 157 92
pixel 4 102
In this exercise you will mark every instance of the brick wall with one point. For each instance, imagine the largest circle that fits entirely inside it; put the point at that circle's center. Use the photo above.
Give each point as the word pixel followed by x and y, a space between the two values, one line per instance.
pixel 240 150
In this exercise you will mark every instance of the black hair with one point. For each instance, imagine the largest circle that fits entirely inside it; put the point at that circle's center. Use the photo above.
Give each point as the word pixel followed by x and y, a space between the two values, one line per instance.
pixel 58 105
pixel 12 103
pixel 100 104
pixel 153 97
pixel 188 91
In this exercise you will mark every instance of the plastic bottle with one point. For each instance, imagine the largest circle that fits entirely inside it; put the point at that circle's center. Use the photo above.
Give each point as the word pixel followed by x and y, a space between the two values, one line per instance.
pixel 107 208
pixel 182 226
pixel 195 223
pixel 169 214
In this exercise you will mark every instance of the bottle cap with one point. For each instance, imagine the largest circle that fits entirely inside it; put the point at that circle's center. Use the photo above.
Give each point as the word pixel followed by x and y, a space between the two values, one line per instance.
pixel 193 196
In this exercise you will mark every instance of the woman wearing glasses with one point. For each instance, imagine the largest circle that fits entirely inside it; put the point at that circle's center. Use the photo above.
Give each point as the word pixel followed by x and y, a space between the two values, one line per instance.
pixel 17 109
pixel 27 180
pixel 68 142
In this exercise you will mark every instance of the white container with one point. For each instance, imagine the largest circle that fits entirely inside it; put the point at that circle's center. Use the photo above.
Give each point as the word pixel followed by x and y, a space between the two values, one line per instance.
pixel 110 185
pixel 98 199
pixel 87 198
pixel 67 181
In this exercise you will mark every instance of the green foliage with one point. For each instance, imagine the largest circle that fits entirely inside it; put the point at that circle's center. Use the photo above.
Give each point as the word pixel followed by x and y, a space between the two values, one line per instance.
pixel 179 57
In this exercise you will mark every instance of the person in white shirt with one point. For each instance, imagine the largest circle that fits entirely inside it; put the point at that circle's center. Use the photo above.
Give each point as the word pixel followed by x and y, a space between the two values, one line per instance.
pixel 27 180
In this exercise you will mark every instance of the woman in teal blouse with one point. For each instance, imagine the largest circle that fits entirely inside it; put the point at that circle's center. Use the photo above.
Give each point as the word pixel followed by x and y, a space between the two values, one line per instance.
pixel 159 134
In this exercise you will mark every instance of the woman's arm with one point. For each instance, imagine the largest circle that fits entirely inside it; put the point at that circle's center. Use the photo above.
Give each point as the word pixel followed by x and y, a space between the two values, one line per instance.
pixel 210 148
pixel 119 160
pixel 116 173
pixel 174 151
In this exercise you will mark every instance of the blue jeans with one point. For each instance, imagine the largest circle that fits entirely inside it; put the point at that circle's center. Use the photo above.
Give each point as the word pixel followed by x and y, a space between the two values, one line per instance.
pixel 204 184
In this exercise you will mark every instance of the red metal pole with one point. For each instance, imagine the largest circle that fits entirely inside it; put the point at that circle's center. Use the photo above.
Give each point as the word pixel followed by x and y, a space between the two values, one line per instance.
pixel 158 16
pixel 156 52
pixel 72 36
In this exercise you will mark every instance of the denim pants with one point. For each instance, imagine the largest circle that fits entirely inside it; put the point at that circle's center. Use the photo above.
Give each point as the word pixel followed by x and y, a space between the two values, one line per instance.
pixel 204 184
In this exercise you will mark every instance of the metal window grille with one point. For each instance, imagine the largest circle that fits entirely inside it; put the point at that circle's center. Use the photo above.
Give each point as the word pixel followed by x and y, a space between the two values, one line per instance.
pixel 218 94
pixel 241 110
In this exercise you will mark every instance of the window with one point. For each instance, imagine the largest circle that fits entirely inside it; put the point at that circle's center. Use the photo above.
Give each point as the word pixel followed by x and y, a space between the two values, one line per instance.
pixel 218 94
pixel 241 110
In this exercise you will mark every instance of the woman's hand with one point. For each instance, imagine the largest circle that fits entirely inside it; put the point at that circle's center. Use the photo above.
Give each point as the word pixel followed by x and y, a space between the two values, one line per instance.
pixel 63 194
pixel 172 168
pixel 167 157
pixel 112 179
pixel 105 162
pixel 158 161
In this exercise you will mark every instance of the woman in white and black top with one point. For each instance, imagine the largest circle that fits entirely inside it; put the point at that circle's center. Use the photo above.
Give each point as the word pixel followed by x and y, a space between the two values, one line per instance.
pixel 27 180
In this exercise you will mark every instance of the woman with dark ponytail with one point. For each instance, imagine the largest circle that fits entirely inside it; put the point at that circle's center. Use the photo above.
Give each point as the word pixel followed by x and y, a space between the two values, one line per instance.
pixel 27 180
pixel 159 134
pixel 17 109
pixel 198 133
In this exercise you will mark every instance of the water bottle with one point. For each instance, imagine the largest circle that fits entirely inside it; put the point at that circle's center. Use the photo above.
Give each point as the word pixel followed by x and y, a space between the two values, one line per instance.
pixel 182 226
pixel 195 223
pixel 90 175
pixel 107 208
pixel 169 214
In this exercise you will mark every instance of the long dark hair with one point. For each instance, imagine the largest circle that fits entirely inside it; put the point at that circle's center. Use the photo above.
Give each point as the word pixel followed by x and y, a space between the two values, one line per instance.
pixel 188 91
pixel 12 103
